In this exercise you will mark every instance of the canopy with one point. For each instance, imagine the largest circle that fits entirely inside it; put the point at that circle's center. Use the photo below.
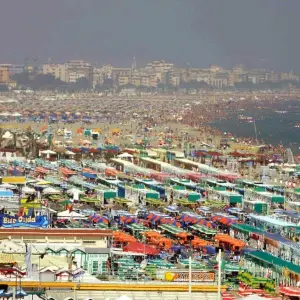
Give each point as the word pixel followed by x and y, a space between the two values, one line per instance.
pixel 98 219
pixel 7 135
pixel 7 186
pixel 28 190
pixel 41 170
pixel 230 240
pixel 203 229
pixel 67 214
pixel 50 191
pixel 272 260
pixel 74 191
pixel 290 291
pixel 245 228
pixel 48 152
pixel 224 220
pixel 68 152
pixel 67 172
pixel 141 248
pixel 125 155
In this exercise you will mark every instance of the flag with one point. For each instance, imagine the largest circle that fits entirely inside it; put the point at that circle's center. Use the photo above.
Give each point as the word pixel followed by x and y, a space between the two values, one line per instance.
pixel 28 260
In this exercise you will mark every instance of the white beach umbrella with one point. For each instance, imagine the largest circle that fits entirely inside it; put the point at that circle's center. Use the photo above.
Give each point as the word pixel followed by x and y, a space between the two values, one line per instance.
pixel 28 190
pixel 50 191
pixel 7 186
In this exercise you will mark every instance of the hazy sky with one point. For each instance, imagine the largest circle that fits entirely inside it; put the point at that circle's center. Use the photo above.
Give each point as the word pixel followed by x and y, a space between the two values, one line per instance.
pixel 258 33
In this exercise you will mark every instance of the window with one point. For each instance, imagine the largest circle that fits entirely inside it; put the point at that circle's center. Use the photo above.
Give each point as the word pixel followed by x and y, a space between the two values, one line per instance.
pixel 85 265
pixel 95 267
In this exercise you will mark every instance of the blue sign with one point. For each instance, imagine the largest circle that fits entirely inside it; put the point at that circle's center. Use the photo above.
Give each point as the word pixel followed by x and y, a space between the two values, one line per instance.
pixel 8 221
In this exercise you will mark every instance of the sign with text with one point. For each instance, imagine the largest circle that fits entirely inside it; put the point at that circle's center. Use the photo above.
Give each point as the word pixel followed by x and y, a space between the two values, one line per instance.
pixel 197 276
pixel 14 179
pixel 8 221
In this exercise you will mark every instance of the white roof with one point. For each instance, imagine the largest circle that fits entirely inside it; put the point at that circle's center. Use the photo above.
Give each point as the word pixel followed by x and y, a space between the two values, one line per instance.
pixel 28 190
pixel 7 135
pixel 68 214
pixel 125 155
pixel 48 152
pixel 68 152
pixel 275 222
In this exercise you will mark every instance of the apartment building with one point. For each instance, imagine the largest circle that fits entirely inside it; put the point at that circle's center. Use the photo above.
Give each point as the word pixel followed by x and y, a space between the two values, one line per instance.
pixel 98 77
pixel 4 73
pixel 16 69
pixel 136 79
pixel 57 70
pixel 121 76
pixel 219 80
pixel 77 69
pixel 145 80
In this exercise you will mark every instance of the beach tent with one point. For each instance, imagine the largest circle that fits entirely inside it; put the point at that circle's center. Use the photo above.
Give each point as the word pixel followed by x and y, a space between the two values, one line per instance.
pixel 125 155
pixel 70 215
pixel 68 152
pixel 7 135
pixel 48 152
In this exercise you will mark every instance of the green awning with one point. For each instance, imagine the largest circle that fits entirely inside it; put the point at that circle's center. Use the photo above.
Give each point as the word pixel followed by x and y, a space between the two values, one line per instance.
pixel 220 188
pixel 109 194
pixel 228 268
pixel 179 187
pixel 235 199
pixel 273 261
pixel 38 293
pixel 151 195
pixel 277 199
pixel 203 229
pixel 193 197
pixel 245 228
pixel 259 189
pixel 260 208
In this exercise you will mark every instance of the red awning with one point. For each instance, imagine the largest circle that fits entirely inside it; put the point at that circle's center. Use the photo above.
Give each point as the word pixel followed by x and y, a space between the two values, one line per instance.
pixel 141 248
pixel 41 170
pixel 66 171
pixel 290 291
pixel 88 170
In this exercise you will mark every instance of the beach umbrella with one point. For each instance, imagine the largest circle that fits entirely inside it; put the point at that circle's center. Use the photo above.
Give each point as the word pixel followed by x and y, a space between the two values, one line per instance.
pixel 8 186
pixel 28 190
pixel 74 190
pixel 50 191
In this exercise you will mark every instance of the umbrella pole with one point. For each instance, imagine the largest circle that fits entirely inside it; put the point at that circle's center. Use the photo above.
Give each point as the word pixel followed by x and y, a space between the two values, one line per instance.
pixel 190 270
pixel 219 273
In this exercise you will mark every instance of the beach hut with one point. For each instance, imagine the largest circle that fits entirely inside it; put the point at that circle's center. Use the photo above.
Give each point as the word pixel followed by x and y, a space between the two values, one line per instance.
pixel 181 193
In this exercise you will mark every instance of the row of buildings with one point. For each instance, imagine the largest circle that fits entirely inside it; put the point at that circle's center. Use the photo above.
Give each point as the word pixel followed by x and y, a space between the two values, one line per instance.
pixel 152 75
